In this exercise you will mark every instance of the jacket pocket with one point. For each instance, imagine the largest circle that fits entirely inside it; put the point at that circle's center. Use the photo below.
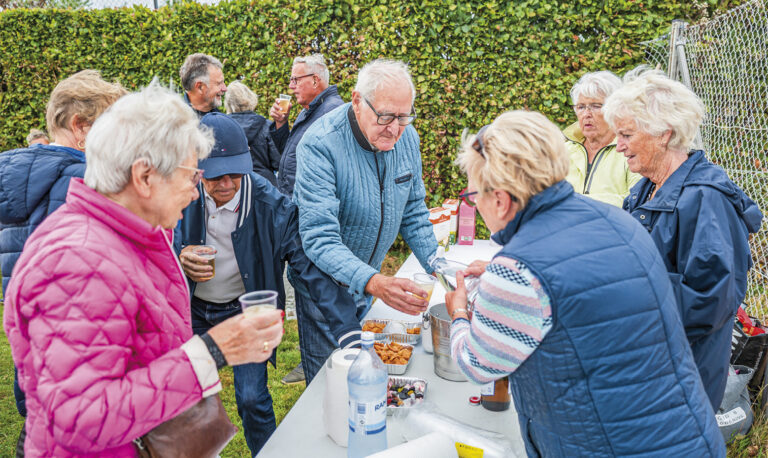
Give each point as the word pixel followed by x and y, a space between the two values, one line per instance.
pixel 404 178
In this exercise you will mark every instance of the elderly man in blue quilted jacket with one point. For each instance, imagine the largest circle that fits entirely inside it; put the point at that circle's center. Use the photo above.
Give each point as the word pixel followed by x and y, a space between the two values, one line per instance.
pixel 359 184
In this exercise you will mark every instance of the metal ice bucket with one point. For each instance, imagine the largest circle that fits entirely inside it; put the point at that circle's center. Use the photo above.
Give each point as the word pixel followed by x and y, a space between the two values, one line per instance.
pixel 440 323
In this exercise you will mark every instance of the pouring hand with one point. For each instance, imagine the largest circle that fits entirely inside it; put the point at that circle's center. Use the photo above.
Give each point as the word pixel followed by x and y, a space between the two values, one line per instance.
pixel 456 301
pixel 476 269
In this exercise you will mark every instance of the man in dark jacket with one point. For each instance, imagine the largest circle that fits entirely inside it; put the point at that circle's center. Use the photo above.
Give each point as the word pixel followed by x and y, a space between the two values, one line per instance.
pixel 203 81
pixel 309 83
pixel 255 231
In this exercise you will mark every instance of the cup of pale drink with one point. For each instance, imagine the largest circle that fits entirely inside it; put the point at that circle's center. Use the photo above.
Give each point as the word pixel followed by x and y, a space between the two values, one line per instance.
pixel 284 101
pixel 425 282
pixel 258 302
pixel 207 252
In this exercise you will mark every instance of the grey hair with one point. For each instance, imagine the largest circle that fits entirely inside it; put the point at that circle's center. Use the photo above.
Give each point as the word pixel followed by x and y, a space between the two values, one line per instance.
pixel 595 85
pixel 154 125
pixel 34 134
pixel 239 98
pixel 315 64
pixel 383 72
pixel 195 69
pixel 656 104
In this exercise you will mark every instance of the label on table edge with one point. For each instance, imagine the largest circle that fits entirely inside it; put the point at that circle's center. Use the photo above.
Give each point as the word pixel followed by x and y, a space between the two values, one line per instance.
pixel 467 451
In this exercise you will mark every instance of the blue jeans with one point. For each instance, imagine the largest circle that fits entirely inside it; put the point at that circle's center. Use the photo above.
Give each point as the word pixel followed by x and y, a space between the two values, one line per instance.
pixel 316 342
pixel 254 403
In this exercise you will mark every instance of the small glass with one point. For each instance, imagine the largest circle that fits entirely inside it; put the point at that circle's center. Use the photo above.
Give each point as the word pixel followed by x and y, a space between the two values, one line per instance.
pixel 258 302
pixel 207 252
pixel 425 282
pixel 284 100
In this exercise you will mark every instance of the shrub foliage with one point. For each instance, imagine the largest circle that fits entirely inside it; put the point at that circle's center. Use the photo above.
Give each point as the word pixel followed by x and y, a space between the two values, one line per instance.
pixel 470 60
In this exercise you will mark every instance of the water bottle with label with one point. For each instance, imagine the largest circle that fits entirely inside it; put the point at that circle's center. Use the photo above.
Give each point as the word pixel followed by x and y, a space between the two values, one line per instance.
pixel 367 382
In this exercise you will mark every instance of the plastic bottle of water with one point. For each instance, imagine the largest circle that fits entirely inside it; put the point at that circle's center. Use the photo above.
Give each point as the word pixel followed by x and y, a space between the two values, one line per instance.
pixel 445 271
pixel 367 382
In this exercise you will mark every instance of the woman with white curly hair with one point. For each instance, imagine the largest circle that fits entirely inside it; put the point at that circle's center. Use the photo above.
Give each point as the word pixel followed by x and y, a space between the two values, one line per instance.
pixel 698 218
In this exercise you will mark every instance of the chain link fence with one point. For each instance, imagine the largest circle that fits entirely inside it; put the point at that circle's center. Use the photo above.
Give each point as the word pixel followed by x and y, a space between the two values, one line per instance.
pixel 725 61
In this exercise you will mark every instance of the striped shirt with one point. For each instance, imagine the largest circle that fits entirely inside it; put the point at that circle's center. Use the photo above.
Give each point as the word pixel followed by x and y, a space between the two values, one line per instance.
pixel 512 316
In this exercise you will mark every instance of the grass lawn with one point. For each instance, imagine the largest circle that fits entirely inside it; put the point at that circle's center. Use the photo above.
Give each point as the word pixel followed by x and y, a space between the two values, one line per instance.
pixel 284 397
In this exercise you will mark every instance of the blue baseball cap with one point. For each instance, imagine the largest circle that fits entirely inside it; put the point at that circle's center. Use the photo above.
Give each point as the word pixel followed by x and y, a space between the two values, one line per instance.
pixel 230 154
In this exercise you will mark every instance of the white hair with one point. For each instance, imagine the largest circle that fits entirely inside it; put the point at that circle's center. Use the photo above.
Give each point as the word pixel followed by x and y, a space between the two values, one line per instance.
pixel 656 104
pixel 153 124
pixel 383 72
pixel 595 85
pixel 315 64
pixel 239 97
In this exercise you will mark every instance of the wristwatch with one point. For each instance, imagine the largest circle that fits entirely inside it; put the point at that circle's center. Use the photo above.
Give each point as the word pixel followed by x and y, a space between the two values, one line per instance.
pixel 453 315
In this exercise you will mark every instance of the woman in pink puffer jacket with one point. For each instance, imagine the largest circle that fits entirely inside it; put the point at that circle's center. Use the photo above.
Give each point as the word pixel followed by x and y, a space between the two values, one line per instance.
pixel 97 311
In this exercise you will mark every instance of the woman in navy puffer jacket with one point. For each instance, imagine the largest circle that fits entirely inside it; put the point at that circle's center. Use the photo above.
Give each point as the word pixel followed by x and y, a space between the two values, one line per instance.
pixel 698 218
pixel 34 180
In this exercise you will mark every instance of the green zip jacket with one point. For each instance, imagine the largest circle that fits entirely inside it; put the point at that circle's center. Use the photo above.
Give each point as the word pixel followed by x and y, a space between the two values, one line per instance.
pixel 609 180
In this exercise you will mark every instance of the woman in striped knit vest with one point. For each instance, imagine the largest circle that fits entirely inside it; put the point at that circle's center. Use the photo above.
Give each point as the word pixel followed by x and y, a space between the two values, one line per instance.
pixel 576 309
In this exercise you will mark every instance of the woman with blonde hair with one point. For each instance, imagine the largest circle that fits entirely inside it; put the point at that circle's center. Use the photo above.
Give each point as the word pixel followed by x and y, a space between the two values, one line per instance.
pixel 576 309
pixel 698 218
pixel 35 179
pixel 240 102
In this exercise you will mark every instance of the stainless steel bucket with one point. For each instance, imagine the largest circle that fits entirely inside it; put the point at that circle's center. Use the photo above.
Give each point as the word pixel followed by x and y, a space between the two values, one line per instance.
pixel 440 323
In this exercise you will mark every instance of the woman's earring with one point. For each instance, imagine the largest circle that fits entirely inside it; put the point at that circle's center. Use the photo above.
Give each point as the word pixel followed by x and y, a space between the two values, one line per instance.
pixel 81 145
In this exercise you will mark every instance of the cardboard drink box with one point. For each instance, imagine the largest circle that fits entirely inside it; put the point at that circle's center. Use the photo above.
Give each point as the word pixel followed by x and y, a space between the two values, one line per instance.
pixel 453 206
pixel 466 224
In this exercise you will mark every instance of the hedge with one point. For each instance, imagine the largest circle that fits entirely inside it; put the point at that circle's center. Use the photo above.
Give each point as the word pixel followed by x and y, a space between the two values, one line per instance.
pixel 470 60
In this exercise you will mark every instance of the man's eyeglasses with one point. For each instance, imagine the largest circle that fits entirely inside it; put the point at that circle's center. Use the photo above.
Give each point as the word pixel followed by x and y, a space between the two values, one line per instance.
pixel 593 107
pixel 197 176
pixel 387 118
pixel 232 176
pixel 295 79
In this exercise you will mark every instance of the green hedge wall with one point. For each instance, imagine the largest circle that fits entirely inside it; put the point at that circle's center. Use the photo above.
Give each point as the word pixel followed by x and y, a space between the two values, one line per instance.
pixel 470 60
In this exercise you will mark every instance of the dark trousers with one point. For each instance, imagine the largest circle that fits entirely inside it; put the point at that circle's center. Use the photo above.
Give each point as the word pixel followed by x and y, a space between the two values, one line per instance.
pixel 254 403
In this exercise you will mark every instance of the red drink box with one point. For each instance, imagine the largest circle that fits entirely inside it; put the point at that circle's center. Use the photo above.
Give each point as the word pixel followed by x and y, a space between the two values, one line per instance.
pixel 466 224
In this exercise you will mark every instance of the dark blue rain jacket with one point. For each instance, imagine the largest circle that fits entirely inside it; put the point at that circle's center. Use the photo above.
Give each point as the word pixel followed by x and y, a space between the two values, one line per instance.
pixel 700 221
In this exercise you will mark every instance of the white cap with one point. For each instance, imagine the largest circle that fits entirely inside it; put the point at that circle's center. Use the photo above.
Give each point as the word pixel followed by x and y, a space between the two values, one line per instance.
pixel 367 337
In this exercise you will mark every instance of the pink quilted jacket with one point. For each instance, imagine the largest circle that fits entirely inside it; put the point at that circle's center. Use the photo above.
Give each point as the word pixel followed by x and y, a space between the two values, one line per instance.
pixel 95 313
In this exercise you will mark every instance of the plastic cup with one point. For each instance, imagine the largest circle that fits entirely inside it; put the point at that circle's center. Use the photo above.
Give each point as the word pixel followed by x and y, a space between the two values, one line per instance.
pixel 284 100
pixel 207 252
pixel 425 282
pixel 258 302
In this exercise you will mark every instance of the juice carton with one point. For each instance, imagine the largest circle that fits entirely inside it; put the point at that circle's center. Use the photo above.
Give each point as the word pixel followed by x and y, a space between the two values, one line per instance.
pixel 453 206
pixel 440 218
pixel 466 224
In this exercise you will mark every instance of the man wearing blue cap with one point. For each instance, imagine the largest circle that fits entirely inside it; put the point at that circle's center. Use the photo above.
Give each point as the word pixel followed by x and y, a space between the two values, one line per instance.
pixel 254 229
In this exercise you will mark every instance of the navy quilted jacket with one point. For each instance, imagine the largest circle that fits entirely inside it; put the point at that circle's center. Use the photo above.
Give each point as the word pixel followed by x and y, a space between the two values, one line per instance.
pixel 287 141
pixel 615 375
pixel 264 153
pixel 33 183
pixel 700 221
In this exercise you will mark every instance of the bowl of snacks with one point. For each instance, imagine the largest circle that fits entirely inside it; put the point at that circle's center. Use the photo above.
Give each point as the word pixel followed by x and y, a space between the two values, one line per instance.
pixel 395 356
pixel 404 392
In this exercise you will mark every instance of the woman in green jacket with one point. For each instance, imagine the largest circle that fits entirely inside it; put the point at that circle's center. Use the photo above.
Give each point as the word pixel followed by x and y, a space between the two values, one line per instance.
pixel 596 170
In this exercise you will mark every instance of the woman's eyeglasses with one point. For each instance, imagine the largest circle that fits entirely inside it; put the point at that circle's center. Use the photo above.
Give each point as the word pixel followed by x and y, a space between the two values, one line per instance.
pixel 197 176
pixel 469 198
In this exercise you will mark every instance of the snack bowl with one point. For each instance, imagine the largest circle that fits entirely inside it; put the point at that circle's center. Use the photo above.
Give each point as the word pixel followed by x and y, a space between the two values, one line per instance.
pixel 407 400
pixel 382 323
pixel 406 338
pixel 395 369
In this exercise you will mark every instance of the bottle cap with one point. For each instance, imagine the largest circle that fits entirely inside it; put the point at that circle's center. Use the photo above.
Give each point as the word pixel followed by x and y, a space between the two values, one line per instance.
pixel 367 337
pixel 474 400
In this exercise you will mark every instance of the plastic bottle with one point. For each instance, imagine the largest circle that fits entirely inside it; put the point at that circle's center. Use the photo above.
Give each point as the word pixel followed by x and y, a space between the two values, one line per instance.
pixel 367 382
pixel 445 271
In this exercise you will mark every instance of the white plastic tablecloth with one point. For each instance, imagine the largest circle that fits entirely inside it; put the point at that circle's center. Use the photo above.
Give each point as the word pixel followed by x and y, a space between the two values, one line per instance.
pixel 301 433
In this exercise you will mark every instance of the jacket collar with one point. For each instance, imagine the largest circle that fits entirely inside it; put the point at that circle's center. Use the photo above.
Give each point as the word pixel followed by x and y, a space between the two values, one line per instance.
pixel 668 194
pixel 330 91
pixel 77 154
pixel 117 217
pixel 357 132
pixel 542 201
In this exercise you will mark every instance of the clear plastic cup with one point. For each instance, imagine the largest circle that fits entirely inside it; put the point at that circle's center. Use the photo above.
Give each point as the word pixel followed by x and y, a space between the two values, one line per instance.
pixel 207 252
pixel 425 282
pixel 258 302
pixel 284 100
